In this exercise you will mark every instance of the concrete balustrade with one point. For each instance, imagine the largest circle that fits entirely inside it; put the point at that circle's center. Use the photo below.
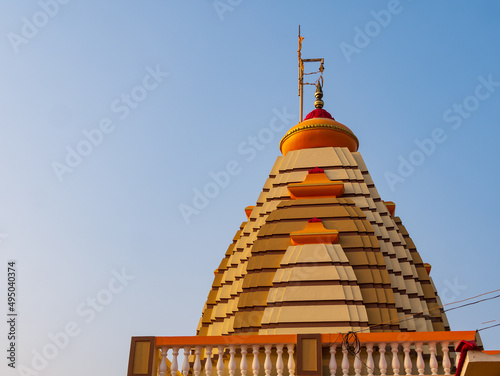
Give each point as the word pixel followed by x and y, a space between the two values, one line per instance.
pixel 408 353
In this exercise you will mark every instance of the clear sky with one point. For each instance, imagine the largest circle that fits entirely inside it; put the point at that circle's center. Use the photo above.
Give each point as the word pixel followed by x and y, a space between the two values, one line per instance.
pixel 114 113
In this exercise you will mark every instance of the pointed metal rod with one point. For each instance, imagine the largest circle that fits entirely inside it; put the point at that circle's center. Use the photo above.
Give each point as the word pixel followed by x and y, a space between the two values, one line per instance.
pixel 301 75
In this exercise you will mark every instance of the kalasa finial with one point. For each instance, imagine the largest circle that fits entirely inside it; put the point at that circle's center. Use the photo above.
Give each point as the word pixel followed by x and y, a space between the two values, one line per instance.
pixel 318 103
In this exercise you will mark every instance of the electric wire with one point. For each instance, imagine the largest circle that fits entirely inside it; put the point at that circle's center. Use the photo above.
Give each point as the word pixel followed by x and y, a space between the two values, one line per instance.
pixel 473 297
pixel 412 315
pixel 350 342
pixel 488 327
pixel 468 304
pixel 487 322
pixel 305 74
pixel 449 309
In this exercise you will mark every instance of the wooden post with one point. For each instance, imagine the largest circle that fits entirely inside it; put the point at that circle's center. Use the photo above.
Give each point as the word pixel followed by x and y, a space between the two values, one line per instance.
pixel 141 359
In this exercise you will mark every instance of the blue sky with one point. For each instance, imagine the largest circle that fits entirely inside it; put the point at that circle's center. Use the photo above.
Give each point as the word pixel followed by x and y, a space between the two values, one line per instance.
pixel 159 96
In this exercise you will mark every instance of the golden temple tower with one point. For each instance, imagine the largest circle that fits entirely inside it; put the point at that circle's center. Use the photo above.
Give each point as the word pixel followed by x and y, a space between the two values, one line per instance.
pixel 321 252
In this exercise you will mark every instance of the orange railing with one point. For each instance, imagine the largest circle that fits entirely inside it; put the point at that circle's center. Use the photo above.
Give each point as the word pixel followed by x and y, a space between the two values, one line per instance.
pixel 392 353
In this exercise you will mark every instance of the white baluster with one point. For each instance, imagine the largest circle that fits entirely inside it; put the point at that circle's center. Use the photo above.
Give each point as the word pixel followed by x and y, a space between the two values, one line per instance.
pixel 232 362
pixel 407 362
pixel 370 363
pixel 220 361
pixel 255 363
pixel 395 360
pixel 208 362
pixel 291 362
pixel 446 357
pixel 174 367
pixel 279 360
pixel 457 354
pixel 420 358
pixel 333 361
pixel 345 361
pixel 382 364
pixel 197 362
pixel 433 361
pixel 357 362
pixel 163 363
pixel 185 363
pixel 267 363
pixel 243 363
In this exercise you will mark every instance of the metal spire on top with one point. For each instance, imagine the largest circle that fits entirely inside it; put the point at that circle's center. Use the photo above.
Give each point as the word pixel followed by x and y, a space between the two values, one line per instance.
pixel 318 83
pixel 318 103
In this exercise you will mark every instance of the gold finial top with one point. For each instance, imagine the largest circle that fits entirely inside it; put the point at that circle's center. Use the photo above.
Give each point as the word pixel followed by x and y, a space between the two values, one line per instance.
pixel 318 103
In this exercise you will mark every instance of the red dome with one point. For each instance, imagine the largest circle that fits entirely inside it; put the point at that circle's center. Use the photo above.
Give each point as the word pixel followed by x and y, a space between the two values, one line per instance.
pixel 319 113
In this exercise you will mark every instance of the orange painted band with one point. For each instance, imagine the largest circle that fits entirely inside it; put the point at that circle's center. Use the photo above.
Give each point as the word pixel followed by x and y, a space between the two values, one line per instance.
pixel 388 337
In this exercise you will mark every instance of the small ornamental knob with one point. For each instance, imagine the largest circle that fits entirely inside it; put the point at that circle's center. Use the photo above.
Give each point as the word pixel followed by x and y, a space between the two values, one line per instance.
pixel 318 103
pixel 428 268
pixel 316 170
pixel 314 220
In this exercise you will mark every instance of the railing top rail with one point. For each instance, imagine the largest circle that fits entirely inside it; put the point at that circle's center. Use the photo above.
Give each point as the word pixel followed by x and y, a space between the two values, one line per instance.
pixel 402 337
pixel 387 337
pixel 226 340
